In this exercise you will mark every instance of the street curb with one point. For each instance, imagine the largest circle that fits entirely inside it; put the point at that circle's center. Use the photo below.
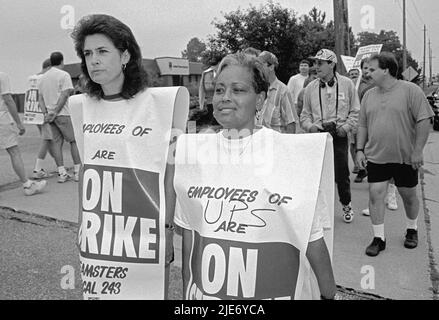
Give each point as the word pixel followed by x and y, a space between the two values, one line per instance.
pixel 28 217
pixel 434 274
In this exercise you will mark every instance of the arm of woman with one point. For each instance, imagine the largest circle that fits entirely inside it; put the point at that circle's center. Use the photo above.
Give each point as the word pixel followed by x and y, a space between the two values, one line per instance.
pixel 170 209
pixel 186 252
pixel 318 256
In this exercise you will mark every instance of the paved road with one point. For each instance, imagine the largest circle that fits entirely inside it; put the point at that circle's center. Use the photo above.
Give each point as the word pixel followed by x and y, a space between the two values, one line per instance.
pixel 36 254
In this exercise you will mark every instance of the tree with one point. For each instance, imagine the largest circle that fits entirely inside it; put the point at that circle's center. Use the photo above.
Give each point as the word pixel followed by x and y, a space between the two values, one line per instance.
pixel 269 27
pixel 391 43
pixel 194 50
pixel 273 28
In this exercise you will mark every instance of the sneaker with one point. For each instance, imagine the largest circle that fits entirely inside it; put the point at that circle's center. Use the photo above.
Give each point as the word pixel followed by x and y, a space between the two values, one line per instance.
pixel 40 174
pixel 391 201
pixel 64 177
pixel 366 212
pixel 348 213
pixel 411 239
pixel 360 176
pixel 76 177
pixel 35 187
pixel 375 247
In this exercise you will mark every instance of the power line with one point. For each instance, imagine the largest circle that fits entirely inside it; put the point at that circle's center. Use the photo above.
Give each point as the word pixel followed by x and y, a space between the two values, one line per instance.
pixel 408 23
pixel 417 12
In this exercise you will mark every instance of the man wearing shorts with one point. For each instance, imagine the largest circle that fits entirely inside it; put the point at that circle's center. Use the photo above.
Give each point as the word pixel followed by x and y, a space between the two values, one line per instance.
pixel 393 130
pixel 9 136
pixel 45 130
pixel 54 88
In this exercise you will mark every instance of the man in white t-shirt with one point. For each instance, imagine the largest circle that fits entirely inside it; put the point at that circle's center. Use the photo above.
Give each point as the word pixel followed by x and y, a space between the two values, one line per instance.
pixel 55 87
pixel 295 84
pixel 45 130
pixel 9 136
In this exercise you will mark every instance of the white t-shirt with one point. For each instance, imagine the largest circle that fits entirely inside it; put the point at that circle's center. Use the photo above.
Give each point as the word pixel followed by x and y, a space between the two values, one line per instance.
pixel 5 88
pixel 295 84
pixel 51 84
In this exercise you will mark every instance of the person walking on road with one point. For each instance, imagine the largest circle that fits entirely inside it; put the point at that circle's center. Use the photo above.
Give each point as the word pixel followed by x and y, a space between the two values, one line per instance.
pixel 9 136
pixel 312 76
pixel 296 82
pixel 331 105
pixel 45 130
pixel 366 84
pixel 278 112
pixel 393 129
pixel 354 74
pixel 55 87
pixel 116 94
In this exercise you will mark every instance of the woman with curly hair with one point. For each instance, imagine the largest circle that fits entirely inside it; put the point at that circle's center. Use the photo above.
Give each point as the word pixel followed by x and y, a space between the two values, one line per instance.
pixel 127 199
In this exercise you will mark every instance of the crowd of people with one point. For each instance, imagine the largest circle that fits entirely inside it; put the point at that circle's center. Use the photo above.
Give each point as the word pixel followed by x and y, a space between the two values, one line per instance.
pixel 383 125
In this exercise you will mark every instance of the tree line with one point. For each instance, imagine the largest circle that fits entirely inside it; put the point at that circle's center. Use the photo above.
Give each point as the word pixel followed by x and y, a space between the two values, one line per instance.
pixel 283 32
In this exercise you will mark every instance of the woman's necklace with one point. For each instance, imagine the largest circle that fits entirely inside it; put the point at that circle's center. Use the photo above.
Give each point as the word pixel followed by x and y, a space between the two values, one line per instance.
pixel 227 144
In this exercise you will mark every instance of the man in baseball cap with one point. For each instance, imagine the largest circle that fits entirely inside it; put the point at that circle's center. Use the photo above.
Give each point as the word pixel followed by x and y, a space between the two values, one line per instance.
pixel 331 105
pixel 325 55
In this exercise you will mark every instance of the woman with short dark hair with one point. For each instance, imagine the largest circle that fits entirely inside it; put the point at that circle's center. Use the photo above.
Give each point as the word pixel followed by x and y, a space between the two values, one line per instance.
pixel 131 70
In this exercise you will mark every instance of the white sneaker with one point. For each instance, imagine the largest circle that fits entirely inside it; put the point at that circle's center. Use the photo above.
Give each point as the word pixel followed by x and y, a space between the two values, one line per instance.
pixel 64 177
pixel 348 213
pixel 35 187
pixel 76 176
pixel 40 174
pixel 366 212
pixel 391 201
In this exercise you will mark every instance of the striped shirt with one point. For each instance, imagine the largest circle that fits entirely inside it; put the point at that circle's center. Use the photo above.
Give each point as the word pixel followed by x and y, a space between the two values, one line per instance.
pixel 278 110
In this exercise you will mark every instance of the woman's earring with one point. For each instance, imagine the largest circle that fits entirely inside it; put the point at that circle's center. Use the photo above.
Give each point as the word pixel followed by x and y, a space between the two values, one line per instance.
pixel 124 66
pixel 258 116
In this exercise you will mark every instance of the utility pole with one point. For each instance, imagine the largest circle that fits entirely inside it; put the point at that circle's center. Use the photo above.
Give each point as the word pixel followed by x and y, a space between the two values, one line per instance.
pixel 423 65
pixel 430 60
pixel 404 21
pixel 346 25
pixel 340 30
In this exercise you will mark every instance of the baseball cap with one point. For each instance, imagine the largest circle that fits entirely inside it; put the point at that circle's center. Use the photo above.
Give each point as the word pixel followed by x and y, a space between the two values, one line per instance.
pixel 325 54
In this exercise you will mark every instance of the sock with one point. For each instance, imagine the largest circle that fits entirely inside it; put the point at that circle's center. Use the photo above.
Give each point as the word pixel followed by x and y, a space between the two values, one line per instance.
pixel 77 167
pixel 61 170
pixel 412 224
pixel 38 165
pixel 27 184
pixel 378 231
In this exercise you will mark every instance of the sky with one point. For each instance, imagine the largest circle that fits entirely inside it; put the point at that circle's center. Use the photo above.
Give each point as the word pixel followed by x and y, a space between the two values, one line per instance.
pixel 30 30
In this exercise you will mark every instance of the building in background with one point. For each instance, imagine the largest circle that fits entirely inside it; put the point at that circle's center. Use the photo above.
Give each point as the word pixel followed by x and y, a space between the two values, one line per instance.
pixel 162 72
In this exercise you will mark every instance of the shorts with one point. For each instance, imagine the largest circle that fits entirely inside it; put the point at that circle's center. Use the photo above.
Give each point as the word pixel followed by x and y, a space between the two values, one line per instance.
pixel 45 131
pixel 62 128
pixel 403 174
pixel 8 136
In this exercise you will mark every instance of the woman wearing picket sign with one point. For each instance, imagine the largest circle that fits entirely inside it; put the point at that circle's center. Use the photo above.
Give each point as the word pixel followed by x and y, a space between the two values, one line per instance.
pixel 123 131
pixel 246 199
